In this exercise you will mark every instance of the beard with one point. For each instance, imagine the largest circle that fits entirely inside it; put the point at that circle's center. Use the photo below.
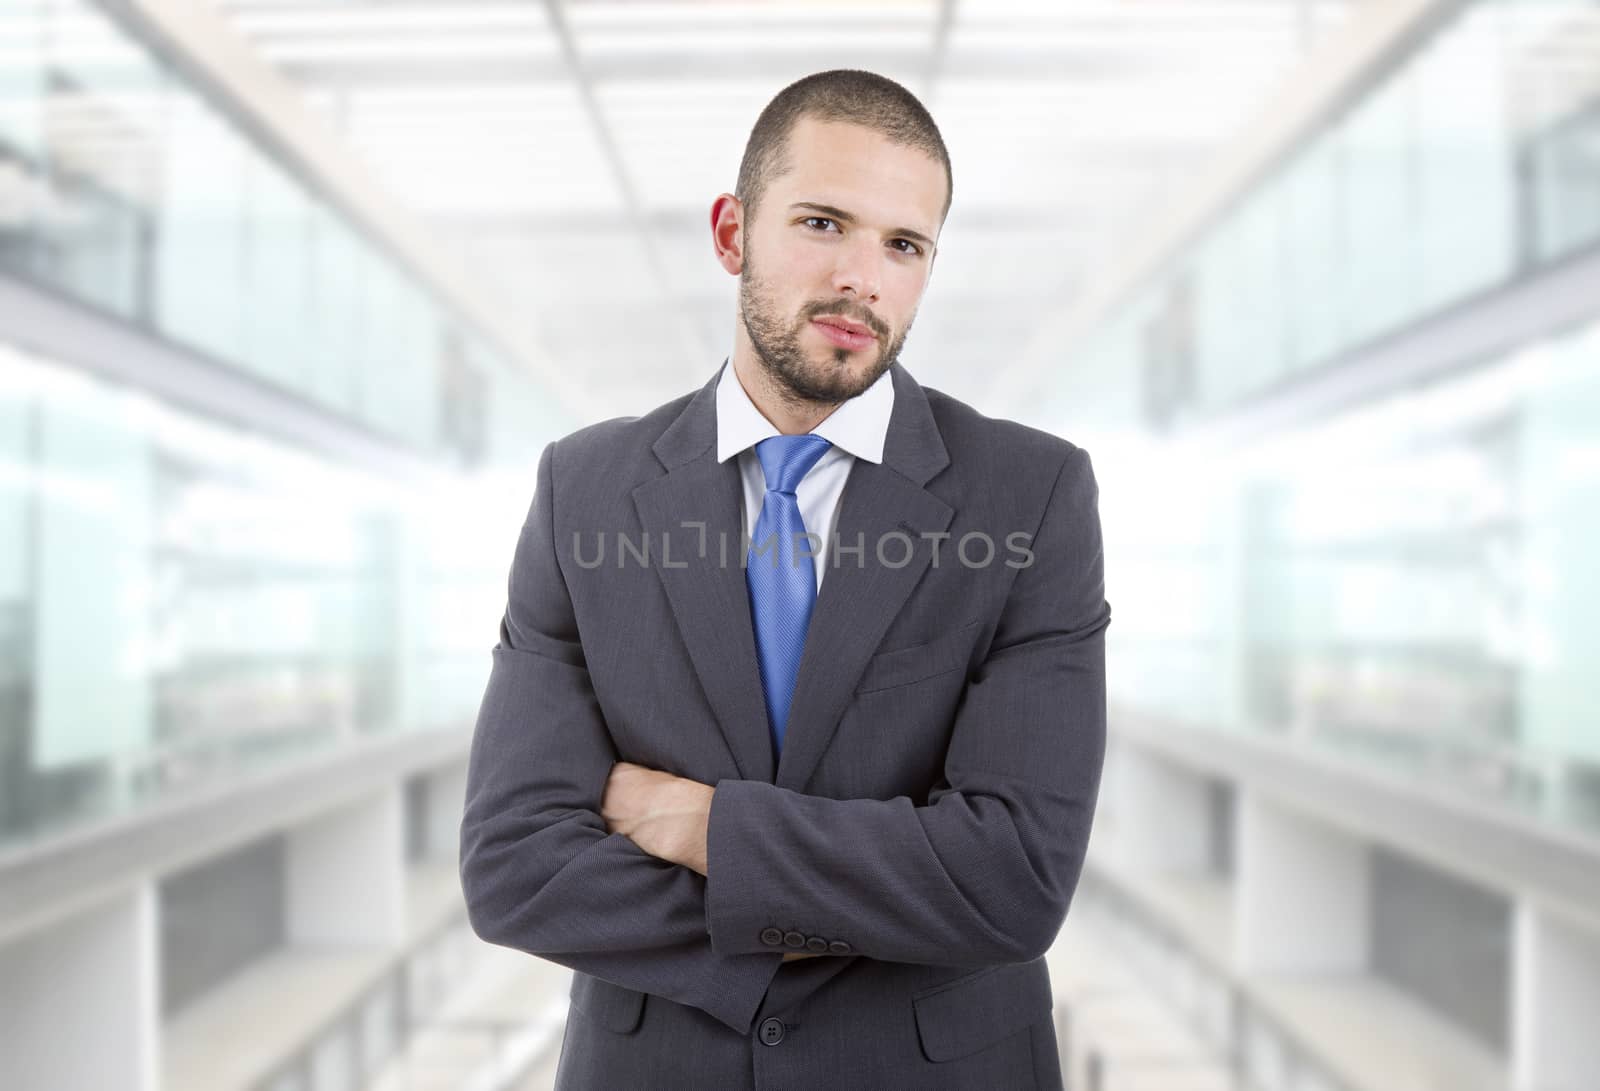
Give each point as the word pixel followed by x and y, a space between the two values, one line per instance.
pixel 797 375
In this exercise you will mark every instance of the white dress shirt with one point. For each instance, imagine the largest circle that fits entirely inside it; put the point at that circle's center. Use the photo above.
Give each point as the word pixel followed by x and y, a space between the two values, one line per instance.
pixel 856 429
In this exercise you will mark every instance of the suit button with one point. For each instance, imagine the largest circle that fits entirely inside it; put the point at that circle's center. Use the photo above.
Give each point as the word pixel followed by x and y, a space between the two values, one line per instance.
pixel 794 939
pixel 839 947
pixel 772 937
pixel 771 1031
pixel 816 943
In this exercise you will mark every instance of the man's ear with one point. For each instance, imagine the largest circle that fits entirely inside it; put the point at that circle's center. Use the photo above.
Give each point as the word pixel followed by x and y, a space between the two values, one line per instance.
pixel 727 232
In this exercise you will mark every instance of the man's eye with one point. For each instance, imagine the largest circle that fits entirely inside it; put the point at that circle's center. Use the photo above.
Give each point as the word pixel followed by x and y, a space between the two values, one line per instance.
pixel 915 249
pixel 817 219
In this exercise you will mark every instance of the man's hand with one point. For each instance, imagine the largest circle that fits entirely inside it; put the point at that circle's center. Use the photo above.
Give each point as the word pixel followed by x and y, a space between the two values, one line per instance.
pixel 664 815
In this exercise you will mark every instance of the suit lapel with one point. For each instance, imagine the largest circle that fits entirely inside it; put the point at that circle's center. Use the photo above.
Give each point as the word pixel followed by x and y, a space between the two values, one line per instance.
pixel 859 596
pixel 707 592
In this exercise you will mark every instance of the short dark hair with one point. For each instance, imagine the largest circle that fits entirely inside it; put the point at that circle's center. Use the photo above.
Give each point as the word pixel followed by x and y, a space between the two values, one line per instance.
pixel 840 94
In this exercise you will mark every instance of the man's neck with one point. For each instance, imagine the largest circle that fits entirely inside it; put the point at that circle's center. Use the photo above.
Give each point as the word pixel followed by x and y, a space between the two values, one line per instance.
pixel 790 416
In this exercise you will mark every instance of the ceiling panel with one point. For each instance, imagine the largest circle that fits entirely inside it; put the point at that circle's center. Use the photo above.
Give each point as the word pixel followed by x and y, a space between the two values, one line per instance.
pixel 569 153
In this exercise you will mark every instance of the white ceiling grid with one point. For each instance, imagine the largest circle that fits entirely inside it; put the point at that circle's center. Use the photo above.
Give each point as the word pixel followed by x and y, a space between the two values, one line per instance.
pixel 569 152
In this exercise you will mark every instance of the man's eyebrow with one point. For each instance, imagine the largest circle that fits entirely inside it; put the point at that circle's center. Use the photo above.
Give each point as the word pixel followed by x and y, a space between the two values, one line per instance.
pixel 844 217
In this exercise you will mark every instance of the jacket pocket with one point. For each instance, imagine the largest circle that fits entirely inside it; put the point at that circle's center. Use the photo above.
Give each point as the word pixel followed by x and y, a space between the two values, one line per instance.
pixel 901 666
pixel 965 1015
pixel 612 1006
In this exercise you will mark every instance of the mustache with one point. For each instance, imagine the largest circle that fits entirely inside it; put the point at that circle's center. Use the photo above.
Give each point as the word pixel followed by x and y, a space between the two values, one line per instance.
pixel 850 311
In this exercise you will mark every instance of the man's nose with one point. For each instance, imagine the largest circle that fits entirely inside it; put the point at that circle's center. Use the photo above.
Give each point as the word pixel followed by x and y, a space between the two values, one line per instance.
pixel 858 271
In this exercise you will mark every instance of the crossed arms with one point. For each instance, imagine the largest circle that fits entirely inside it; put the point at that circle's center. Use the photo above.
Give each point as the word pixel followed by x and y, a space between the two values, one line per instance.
pixel 664 815
pixel 982 874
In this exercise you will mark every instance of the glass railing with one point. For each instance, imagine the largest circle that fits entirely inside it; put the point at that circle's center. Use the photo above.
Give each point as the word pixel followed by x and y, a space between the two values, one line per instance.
pixel 125 187
pixel 1259 1050
pixel 1410 585
pixel 1466 166
pixel 181 602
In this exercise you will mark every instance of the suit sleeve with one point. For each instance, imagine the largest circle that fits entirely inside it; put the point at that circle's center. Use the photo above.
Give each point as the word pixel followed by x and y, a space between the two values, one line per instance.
pixel 539 870
pixel 985 871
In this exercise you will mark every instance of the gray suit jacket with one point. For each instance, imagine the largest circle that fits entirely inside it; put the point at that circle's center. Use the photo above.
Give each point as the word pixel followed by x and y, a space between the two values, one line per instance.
pixel 925 827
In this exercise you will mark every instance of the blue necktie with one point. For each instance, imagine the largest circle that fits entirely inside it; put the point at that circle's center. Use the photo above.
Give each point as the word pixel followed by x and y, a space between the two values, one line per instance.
pixel 783 579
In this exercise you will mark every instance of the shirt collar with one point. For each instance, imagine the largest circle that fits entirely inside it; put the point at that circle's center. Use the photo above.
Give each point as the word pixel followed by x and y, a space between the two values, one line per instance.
pixel 860 425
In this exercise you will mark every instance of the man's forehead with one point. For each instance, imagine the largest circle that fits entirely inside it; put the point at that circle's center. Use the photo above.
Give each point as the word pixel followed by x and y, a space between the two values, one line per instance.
pixel 865 178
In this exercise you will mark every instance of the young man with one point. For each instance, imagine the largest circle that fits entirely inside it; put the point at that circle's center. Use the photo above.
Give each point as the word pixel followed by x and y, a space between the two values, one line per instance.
pixel 793 734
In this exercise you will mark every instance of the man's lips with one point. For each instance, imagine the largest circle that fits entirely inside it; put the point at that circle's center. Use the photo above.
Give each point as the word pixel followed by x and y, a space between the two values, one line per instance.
pixel 846 325
pixel 847 339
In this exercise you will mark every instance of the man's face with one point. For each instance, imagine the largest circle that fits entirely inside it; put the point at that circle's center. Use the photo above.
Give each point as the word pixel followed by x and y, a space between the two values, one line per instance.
pixel 863 257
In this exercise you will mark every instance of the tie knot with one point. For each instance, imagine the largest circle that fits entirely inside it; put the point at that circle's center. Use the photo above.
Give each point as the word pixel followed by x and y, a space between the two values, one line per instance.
pixel 787 459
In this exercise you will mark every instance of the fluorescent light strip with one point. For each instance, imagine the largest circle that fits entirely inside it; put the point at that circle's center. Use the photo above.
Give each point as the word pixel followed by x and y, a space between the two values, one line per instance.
pixel 405 97
pixel 540 47
pixel 695 16
pixel 753 41
pixel 1149 11
pixel 1220 49
pixel 448 17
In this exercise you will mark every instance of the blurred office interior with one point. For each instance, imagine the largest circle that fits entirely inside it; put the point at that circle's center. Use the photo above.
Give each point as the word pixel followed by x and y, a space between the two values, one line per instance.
pixel 294 292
